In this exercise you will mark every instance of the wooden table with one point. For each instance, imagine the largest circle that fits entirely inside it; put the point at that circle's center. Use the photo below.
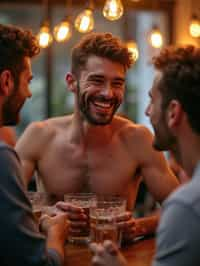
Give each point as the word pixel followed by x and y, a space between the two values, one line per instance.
pixel 139 253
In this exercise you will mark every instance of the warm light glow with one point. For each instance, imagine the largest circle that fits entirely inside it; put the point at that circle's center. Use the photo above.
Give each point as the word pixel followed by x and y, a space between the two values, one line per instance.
pixel 85 21
pixel 156 38
pixel 113 9
pixel 63 31
pixel 195 27
pixel 132 47
pixel 44 37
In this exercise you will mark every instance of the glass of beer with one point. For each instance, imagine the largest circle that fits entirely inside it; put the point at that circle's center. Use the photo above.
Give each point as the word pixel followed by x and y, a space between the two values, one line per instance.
pixel 86 201
pixel 39 201
pixel 103 219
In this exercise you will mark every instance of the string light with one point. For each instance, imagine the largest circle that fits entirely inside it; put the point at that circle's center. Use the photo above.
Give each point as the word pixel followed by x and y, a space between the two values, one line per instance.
pixel 113 9
pixel 85 22
pixel 63 31
pixel 194 27
pixel 44 36
pixel 156 39
pixel 133 49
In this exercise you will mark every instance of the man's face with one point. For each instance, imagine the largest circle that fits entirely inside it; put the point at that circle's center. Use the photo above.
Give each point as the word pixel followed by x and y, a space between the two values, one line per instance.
pixel 101 88
pixel 14 102
pixel 163 139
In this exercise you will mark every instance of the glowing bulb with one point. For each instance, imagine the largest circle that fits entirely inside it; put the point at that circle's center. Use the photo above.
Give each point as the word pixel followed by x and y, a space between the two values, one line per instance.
pixel 63 31
pixel 156 38
pixel 113 9
pixel 85 21
pixel 133 49
pixel 44 37
pixel 195 27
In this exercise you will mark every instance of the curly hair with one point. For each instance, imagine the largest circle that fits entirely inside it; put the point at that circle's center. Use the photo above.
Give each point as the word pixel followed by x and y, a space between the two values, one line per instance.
pixel 103 45
pixel 15 44
pixel 180 69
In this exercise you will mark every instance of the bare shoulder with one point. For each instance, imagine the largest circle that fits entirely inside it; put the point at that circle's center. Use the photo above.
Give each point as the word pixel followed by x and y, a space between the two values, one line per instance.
pixel 131 131
pixel 49 127
pixel 38 134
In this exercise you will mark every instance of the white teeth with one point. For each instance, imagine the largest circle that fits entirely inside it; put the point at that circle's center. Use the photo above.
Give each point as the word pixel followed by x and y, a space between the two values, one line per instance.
pixel 102 104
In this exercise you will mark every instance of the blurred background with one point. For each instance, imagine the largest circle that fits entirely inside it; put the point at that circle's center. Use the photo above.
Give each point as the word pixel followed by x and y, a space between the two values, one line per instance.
pixel 145 25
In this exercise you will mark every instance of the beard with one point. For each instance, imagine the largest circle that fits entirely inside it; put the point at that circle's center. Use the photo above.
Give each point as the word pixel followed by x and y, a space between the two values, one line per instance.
pixel 11 108
pixel 164 141
pixel 96 118
pixel 163 137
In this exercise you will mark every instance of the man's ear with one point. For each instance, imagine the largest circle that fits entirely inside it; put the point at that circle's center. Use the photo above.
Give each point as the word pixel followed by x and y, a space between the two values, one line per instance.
pixel 71 82
pixel 174 113
pixel 6 82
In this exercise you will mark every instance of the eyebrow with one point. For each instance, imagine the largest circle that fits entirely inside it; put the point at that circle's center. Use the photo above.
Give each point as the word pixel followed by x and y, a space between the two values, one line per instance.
pixel 99 76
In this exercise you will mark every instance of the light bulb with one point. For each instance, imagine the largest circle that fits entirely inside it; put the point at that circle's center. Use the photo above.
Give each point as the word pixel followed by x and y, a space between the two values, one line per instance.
pixel 133 49
pixel 156 38
pixel 44 36
pixel 85 21
pixel 63 31
pixel 113 9
pixel 195 27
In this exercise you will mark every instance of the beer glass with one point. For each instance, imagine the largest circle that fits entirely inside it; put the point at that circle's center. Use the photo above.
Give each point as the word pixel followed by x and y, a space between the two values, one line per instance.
pixel 86 201
pixel 39 201
pixel 103 219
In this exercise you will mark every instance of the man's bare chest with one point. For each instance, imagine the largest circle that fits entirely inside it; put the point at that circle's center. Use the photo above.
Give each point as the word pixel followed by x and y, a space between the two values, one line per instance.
pixel 100 170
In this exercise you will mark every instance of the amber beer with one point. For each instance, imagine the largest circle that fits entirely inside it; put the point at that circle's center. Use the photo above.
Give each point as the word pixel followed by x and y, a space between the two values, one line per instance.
pixel 85 232
pixel 37 214
pixel 102 228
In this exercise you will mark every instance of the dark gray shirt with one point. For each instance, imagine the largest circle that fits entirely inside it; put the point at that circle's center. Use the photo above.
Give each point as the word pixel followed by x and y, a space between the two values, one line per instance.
pixel 21 244
pixel 178 235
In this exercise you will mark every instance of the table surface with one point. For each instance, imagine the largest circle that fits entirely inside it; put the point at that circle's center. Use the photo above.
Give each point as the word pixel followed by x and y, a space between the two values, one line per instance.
pixel 139 253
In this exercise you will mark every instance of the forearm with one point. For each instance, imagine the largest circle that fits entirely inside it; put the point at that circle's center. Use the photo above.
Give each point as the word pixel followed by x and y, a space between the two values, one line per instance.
pixel 56 244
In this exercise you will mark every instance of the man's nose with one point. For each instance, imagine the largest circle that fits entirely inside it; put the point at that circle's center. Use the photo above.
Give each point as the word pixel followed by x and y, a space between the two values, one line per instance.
pixel 147 110
pixel 107 91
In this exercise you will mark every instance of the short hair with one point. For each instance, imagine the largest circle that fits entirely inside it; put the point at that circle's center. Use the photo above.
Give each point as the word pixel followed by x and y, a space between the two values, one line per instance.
pixel 180 80
pixel 15 44
pixel 103 45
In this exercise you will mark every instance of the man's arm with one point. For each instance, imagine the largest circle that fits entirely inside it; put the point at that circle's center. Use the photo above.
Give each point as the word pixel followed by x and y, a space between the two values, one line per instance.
pixel 22 243
pixel 155 171
pixel 178 235
pixel 29 148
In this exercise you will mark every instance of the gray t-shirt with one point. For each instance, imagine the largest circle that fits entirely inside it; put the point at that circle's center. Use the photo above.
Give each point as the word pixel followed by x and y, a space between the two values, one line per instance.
pixel 178 235
pixel 21 242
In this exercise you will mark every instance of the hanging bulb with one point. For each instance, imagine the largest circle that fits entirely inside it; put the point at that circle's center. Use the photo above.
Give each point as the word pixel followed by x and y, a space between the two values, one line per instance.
pixel 63 31
pixel 44 36
pixel 113 9
pixel 85 21
pixel 156 38
pixel 194 27
pixel 133 49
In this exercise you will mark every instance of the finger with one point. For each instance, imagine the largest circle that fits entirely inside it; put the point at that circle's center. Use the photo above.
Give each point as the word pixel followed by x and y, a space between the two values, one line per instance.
pixel 126 225
pixel 124 217
pixel 96 261
pixel 69 207
pixel 93 247
pixel 110 247
pixel 78 224
pixel 96 248
pixel 76 216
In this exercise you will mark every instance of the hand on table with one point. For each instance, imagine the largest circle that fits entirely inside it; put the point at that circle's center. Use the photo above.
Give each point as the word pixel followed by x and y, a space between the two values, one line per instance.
pixel 129 226
pixel 106 254
pixel 78 219
pixel 55 227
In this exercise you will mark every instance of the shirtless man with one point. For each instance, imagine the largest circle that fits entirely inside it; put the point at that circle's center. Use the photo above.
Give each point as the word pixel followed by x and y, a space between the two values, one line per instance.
pixel 92 149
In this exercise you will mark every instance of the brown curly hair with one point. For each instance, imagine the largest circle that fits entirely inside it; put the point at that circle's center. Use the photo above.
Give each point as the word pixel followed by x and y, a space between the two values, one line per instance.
pixel 15 44
pixel 103 45
pixel 180 69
